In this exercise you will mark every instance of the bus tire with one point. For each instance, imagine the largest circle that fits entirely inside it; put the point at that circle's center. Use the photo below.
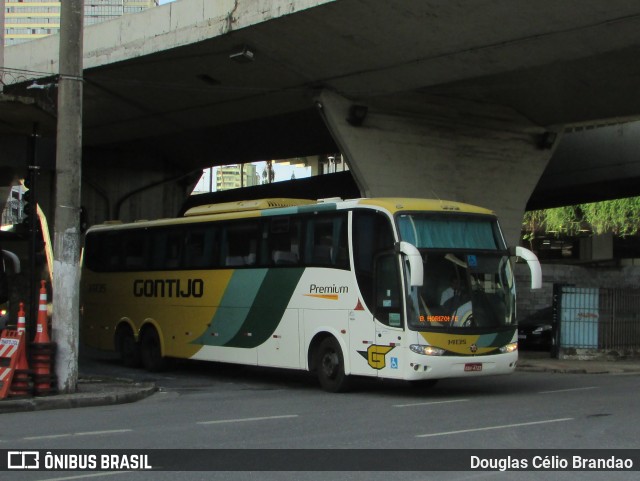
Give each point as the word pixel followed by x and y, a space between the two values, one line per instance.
pixel 330 366
pixel 128 348
pixel 151 351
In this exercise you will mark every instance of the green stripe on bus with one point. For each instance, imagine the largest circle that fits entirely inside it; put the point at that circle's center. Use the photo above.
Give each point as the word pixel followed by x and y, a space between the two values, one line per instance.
pixel 234 307
pixel 268 307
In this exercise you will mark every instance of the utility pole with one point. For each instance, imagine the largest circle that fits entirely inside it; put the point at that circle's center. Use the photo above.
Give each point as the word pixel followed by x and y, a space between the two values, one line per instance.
pixel 66 258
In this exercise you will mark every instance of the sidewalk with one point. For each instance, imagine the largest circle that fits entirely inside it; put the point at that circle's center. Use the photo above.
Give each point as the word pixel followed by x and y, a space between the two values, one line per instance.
pixel 91 391
pixel 101 390
pixel 535 361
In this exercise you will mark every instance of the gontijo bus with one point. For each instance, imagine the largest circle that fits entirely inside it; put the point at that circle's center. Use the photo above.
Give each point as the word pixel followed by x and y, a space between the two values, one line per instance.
pixel 392 288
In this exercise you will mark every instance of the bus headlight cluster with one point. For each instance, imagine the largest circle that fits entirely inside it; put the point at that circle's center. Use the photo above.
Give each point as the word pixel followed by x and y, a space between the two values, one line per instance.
pixel 513 346
pixel 426 350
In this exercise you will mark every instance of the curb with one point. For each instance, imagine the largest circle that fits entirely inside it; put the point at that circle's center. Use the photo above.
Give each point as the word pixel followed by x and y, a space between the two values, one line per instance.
pixel 117 392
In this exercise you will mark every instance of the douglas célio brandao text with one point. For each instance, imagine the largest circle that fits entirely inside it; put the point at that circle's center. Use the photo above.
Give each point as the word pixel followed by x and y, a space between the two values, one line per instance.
pixel 551 463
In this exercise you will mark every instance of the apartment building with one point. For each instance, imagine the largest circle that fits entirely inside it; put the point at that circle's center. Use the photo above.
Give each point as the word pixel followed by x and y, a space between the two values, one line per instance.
pixel 24 20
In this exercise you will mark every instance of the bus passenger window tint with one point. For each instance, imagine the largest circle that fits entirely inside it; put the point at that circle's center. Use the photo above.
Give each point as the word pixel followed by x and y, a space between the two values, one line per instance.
pixel 202 248
pixel 284 243
pixel 241 243
pixel 326 243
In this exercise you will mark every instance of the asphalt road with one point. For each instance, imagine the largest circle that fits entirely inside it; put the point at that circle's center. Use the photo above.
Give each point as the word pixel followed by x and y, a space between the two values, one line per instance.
pixel 217 406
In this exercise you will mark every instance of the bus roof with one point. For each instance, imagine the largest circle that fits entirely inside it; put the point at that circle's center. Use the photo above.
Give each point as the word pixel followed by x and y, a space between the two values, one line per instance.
pixel 282 206
pixel 397 204
pixel 245 205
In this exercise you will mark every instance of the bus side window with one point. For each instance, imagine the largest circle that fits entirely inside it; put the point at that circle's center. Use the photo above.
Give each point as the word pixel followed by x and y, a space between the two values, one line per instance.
pixel 326 241
pixel 240 244
pixel 167 249
pixel 111 255
pixel 135 250
pixel 95 254
pixel 283 239
pixel 202 248
pixel 388 292
pixel 372 234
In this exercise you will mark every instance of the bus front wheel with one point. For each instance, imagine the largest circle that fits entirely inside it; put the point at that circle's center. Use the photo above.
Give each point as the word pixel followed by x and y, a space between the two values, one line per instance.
pixel 151 351
pixel 330 366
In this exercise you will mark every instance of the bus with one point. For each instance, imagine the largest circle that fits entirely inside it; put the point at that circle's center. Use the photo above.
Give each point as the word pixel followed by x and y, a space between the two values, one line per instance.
pixel 393 288
pixel 9 264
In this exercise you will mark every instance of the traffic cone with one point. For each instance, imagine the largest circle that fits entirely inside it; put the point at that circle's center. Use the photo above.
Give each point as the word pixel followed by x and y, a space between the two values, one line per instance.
pixel 42 329
pixel 22 325
pixel 42 350
pixel 22 363
pixel 21 386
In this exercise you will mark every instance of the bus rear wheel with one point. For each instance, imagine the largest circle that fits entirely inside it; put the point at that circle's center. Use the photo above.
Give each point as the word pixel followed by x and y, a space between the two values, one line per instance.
pixel 330 366
pixel 127 347
pixel 151 351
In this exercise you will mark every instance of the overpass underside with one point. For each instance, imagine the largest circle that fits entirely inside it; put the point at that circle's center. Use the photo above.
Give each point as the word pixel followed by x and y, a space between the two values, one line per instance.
pixel 465 101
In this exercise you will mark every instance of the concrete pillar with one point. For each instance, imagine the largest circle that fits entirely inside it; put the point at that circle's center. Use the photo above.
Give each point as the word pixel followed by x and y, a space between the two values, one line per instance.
pixel 439 148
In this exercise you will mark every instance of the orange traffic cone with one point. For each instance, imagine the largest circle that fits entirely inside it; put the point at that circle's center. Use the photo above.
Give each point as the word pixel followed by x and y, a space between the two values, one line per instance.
pixel 42 329
pixel 22 325
pixel 42 350
pixel 21 384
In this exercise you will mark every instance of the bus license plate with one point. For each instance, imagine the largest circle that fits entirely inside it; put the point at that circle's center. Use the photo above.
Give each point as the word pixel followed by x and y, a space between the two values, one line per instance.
pixel 476 366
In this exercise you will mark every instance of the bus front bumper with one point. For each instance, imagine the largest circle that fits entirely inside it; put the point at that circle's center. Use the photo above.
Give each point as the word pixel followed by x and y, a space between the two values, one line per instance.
pixel 437 367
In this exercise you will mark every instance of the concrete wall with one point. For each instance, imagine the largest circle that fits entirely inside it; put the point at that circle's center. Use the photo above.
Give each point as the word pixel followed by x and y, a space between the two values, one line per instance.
pixel 122 186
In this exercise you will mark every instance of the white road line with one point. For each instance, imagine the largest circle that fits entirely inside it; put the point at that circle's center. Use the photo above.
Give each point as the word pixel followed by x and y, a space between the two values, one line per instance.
pixel 569 390
pixel 84 476
pixel 429 403
pixel 88 433
pixel 489 428
pixel 243 420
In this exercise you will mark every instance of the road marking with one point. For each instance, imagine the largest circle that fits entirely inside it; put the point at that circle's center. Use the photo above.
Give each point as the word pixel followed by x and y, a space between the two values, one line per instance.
pixel 88 433
pixel 569 390
pixel 84 476
pixel 430 403
pixel 489 428
pixel 243 420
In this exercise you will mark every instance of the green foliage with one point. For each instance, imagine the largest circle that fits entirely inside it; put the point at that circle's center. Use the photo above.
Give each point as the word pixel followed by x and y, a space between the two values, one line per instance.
pixel 620 216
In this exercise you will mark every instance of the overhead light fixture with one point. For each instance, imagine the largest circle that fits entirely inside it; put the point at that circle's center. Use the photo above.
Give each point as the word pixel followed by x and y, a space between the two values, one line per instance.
pixel 242 55
pixel 357 114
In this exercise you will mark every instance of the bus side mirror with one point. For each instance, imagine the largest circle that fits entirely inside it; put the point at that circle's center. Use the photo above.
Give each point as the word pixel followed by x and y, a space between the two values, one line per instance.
pixel 13 259
pixel 415 262
pixel 532 262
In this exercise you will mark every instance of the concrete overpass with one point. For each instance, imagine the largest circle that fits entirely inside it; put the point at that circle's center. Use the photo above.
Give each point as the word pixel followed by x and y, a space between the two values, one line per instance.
pixel 465 100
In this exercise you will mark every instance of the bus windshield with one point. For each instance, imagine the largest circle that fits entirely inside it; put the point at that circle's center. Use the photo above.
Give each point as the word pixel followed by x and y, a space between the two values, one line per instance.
pixel 468 280
pixel 450 231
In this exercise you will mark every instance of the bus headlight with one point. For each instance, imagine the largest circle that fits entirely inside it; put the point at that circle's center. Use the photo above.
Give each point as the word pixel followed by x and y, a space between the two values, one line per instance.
pixel 513 346
pixel 426 350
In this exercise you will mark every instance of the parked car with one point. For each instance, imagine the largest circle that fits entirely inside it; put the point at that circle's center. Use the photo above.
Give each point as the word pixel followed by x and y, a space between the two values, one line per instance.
pixel 537 331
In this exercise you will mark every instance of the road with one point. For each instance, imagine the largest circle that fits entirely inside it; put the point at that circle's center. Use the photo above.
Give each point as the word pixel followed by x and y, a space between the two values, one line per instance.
pixel 217 406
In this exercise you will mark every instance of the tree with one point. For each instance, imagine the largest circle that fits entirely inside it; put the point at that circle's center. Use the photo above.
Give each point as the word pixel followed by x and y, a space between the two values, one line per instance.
pixel 620 216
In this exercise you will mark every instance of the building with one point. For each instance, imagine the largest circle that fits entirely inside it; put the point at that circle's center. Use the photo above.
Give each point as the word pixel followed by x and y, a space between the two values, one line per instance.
pixel 236 176
pixel 24 20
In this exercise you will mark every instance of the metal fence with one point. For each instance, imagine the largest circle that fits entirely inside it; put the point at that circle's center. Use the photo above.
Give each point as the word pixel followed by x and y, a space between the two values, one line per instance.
pixel 598 318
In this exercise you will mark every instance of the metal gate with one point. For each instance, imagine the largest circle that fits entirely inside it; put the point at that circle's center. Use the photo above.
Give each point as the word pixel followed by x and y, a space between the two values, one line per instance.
pixel 597 318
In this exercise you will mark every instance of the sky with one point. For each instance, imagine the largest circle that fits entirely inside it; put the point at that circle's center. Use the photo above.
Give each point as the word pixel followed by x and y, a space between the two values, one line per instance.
pixel 162 2
pixel 282 173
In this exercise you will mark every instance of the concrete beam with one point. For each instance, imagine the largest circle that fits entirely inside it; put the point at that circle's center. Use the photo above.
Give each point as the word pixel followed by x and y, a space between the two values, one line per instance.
pixel 157 29
pixel 480 154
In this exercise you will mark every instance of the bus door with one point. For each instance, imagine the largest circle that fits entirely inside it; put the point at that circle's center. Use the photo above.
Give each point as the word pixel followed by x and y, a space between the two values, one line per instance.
pixel 386 355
